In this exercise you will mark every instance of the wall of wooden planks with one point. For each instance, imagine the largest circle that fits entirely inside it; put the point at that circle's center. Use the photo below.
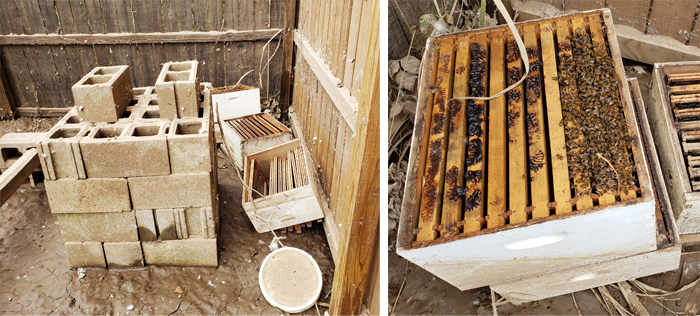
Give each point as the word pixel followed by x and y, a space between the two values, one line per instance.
pixel 335 93
pixel 40 76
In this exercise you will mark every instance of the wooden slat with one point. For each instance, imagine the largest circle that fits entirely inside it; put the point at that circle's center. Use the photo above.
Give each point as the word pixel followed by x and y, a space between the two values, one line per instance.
pixel 674 21
pixel 453 199
pixel 353 38
pixel 360 202
pixel 538 164
pixel 687 98
pixel 686 89
pixel 16 174
pixel 517 141
pixel 476 132
pixel 682 78
pixel 498 137
pixel 584 200
pixel 139 38
pixel 557 141
pixel 596 27
pixel 287 53
pixel 431 203
pixel 344 102
pixel 7 101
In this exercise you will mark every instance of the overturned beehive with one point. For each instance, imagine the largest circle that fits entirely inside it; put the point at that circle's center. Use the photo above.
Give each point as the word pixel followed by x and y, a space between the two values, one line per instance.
pixel 675 120
pixel 549 176
pixel 278 191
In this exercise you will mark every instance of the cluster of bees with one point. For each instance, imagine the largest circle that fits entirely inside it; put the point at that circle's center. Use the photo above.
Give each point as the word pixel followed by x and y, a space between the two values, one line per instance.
pixel 593 120
pixel 475 115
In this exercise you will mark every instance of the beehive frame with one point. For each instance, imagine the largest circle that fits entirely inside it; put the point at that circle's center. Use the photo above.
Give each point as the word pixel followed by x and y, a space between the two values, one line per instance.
pixel 627 214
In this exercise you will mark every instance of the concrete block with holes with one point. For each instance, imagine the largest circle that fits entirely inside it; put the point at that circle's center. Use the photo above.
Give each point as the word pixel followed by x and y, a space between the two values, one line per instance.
pixel 119 151
pixel 138 184
pixel 178 89
pixel 103 94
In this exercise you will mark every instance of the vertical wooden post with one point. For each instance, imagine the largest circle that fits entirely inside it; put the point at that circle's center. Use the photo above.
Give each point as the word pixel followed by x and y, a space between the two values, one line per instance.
pixel 360 229
pixel 7 102
pixel 290 10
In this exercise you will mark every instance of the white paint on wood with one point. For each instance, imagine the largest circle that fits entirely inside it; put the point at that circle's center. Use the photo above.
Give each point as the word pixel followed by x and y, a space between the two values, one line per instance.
pixel 586 238
pixel 284 209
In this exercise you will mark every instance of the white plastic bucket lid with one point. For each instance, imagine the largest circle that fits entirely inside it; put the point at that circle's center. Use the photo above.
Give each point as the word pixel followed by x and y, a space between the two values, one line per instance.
pixel 290 279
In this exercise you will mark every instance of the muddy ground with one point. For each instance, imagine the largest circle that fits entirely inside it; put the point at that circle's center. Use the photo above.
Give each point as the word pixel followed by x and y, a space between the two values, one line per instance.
pixel 425 294
pixel 35 278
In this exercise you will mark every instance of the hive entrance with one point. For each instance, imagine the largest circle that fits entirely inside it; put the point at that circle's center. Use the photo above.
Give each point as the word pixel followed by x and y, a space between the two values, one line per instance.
pixel 557 143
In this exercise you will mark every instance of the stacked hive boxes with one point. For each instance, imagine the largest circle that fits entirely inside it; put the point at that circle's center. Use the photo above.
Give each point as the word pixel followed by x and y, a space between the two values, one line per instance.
pixel 130 186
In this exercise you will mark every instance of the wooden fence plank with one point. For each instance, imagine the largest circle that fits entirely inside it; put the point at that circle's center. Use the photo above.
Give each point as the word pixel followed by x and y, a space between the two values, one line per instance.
pixel 674 21
pixel 14 176
pixel 356 255
pixel 288 54
pixel 139 38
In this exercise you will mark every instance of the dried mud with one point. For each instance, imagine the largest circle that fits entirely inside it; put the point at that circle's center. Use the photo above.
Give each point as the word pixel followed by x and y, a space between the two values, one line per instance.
pixel 36 279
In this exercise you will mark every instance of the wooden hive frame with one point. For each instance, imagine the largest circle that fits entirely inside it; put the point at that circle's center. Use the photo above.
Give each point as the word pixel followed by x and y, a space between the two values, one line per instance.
pixel 279 200
pixel 490 242
pixel 665 257
pixel 675 131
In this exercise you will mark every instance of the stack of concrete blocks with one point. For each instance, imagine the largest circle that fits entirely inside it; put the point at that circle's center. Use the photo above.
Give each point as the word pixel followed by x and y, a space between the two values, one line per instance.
pixel 130 187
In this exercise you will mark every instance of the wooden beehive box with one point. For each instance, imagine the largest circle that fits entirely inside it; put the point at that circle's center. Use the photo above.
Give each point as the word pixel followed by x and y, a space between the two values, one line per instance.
pixel 250 134
pixel 278 193
pixel 674 116
pixel 665 257
pixel 549 177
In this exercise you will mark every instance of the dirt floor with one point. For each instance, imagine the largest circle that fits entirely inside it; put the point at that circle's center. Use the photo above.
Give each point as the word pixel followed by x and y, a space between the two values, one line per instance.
pixel 422 293
pixel 35 278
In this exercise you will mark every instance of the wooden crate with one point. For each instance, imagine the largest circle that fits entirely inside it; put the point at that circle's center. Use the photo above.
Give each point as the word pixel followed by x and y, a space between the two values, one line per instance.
pixel 278 193
pixel 675 122
pixel 665 257
pixel 251 134
pixel 516 214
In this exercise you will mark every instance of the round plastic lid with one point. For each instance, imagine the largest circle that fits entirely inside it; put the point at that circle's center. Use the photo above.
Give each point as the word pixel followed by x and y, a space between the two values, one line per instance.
pixel 290 279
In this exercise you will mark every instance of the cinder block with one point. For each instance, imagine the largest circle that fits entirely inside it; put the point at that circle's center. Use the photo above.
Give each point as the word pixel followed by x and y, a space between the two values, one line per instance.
pixel 189 145
pixel 180 223
pixel 174 191
pixel 129 116
pixel 85 254
pixel 149 113
pixel 165 220
pixel 60 152
pixel 199 222
pixel 88 195
pixel 179 89
pixel 147 225
pixel 103 94
pixel 193 252
pixel 134 150
pixel 104 227
pixel 142 92
pixel 123 254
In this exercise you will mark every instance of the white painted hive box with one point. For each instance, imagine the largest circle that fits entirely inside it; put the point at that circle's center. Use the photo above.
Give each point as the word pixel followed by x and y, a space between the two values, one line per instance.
pixel 278 192
pixel 251 134
pixel 614 224
pixel 235 101
pixel 674 116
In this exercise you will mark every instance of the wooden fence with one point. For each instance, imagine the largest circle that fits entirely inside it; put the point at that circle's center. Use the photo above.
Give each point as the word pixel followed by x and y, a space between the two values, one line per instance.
pixel 673 18
pixel 70 37
pixel 336 95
